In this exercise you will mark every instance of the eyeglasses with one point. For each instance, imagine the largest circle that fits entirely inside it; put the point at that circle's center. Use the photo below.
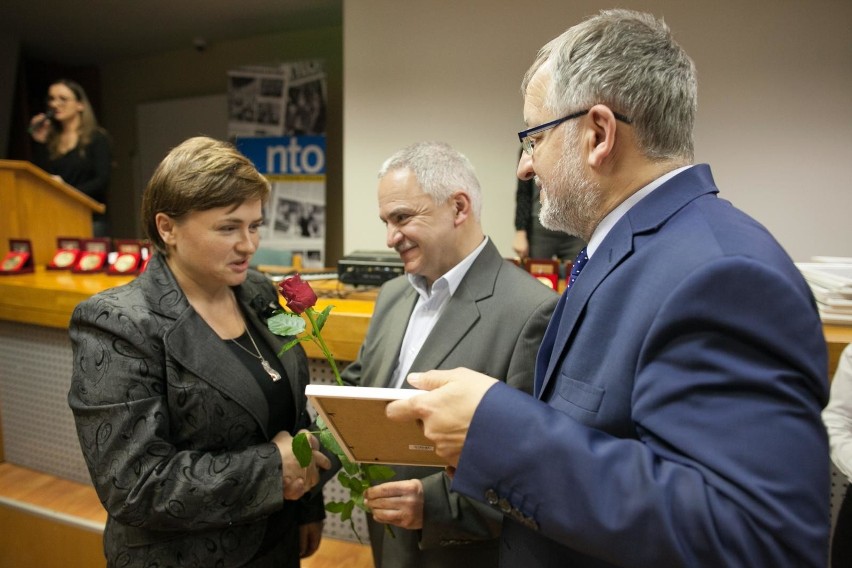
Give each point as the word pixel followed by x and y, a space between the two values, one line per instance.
pixel 526 136
pixel 58 100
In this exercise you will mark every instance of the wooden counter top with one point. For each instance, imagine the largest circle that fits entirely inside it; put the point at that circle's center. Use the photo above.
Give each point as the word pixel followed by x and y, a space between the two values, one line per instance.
pixel 48 297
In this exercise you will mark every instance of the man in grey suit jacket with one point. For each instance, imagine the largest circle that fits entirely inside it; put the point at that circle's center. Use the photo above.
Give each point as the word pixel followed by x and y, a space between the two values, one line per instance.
pixel 460 304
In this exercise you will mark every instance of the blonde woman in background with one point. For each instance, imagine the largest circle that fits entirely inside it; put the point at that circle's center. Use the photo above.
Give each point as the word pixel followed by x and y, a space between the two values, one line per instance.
pixel 69 144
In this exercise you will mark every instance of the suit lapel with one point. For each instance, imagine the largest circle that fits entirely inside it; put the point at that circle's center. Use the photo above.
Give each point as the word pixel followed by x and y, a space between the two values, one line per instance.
pixel 391 330
pixel 647 216
pixel 193 344
pixel 617 245
pixel 461 312
pixel 459 315
pixel 198 349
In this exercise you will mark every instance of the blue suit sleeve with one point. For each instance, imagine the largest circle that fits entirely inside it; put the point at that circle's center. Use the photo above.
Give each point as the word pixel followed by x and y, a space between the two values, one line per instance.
pixel 728 467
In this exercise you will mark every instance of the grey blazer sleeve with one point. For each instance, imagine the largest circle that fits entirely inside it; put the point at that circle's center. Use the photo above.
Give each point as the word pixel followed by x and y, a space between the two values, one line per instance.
pixel 449 517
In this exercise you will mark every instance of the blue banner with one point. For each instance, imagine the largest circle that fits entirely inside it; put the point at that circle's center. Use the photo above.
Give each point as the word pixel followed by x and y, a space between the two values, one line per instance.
pixel 285 155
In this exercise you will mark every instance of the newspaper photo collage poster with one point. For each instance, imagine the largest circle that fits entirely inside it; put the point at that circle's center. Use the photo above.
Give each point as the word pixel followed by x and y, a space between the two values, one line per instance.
pixel 276 116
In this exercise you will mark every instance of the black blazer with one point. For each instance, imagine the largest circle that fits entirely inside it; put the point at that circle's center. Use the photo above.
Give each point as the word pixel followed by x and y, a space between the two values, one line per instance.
pixel 173 427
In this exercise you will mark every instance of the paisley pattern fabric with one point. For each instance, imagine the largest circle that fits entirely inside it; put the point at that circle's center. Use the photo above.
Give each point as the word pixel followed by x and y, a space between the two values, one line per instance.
pixel 173 430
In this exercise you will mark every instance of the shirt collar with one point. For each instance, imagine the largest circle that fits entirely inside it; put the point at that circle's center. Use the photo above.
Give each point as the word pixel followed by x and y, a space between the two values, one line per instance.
pixel 451 279
pixel 608 222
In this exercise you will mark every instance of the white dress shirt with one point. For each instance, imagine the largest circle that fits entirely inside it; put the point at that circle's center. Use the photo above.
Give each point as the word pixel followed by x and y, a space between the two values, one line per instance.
pixel 428 309
pixel 837 415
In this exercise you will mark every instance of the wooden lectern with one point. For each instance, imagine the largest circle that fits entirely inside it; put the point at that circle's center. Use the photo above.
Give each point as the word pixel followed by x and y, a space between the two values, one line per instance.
pixel 35 206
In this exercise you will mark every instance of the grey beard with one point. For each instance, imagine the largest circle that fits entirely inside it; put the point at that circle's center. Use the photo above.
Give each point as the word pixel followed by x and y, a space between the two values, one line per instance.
pixel 573 207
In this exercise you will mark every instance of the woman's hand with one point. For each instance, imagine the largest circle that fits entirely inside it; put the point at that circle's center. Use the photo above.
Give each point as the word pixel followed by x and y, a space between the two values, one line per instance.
pixel 299 480
pixel 39 127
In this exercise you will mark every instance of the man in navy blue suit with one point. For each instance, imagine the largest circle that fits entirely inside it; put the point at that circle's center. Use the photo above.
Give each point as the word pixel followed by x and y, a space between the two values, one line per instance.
pixel 676 413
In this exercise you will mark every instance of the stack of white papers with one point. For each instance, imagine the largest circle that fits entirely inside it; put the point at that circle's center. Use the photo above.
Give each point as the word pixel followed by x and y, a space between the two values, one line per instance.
pixel 830 279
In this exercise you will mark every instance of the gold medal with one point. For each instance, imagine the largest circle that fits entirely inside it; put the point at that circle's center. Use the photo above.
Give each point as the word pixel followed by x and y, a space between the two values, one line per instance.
pixel 90 261
pixel 64 259
pixel 12 262
pixel 124 263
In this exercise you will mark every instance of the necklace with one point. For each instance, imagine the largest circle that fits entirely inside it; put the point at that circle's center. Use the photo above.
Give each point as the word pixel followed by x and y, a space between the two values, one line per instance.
pixel 273 374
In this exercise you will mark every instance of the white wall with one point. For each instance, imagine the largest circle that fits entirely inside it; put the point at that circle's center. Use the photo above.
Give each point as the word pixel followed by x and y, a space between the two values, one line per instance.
pixel 774 121
pixel 162 125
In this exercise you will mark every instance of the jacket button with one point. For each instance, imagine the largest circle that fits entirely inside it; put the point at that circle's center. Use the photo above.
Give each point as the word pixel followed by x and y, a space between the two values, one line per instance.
pixel 491 497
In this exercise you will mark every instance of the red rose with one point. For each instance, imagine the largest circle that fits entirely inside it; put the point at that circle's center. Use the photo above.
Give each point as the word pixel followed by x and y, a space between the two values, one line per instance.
pixel 299 295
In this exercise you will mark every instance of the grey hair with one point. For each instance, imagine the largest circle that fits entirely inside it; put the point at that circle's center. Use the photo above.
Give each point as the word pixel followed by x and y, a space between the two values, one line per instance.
pixel 439 169
pixel 630 62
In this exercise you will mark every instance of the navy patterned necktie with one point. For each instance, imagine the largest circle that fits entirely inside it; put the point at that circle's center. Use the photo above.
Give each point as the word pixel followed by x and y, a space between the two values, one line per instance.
pixel 579 263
